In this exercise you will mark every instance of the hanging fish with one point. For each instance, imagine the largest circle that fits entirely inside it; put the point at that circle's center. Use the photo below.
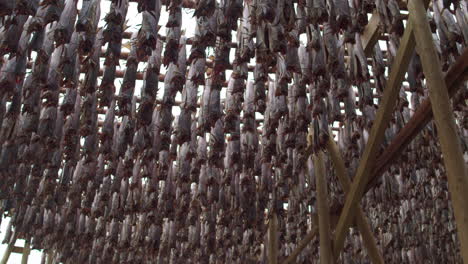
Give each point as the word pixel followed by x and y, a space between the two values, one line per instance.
pixel 63 31
pixel 128 84
pixel 48 12
pixel 182 130
pixel 10 35
pixel 147 35
pixel 173 82
pixel 92 65
pixel 69 64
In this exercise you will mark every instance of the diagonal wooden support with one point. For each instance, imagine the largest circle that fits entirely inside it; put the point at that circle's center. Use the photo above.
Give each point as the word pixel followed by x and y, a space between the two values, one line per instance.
pixel 384 114
pixel 454 79
pixel 455 166
pixel 323 210
pixel 302 244
pixel 362 224
pixel 371 34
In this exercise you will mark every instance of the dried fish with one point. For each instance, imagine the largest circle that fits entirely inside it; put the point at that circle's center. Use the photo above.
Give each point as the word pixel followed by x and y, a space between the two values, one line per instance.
pixel 343 13
pixel 205 32
pixel 11 33
pixel 173 35
pixel 7 7
pixel 147 35
pixel 173 82
pixel 266 11
pixel 49 11
pixel 128 84
pixel 12 74
pixel 260 77
pixel 183 127
pixel 88 16
pixel 142 177
pixel 64 30
pixel 87 25
pixel 92 65
pixel 69 65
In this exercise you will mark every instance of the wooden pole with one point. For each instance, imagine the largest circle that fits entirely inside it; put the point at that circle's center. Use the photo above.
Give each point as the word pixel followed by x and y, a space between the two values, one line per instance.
pixel 323 210
pixel 371 34
pixel 50 257
pixel 26 251
pixel 273 239
pixel 9 249
pixel 445 122
pixel 362 224
pixel 7 254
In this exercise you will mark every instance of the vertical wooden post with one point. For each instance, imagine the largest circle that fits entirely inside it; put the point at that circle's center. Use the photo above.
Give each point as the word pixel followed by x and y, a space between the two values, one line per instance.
pixel 362 224
pixel 326 256
pixel 9 249
pixel 50 257
pixel 7 254
pixel 273 239
pixel 26 251
pixel 43 257
pixel 446 128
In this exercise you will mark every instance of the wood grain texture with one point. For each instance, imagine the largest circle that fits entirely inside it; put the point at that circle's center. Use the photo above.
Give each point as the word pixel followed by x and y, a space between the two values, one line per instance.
pixel 443 115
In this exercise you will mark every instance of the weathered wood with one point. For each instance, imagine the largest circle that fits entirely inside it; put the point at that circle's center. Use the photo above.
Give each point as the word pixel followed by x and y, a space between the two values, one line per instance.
pixel 18 250
pixel 361 222
pixel 26 251
pixel 9 249
pixel 446 128
pixel 273 239
pixel 50 257
pixel 371 34
pixel 454 79
pixel 323 209
pixel 384 114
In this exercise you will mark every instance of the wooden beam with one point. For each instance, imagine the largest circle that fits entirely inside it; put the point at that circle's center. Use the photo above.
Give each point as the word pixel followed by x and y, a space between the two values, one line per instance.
pixel 9 249
pixel 273 239
pixel 50 257
pixel 18 250
pixel 384 114
pixel 323 209
pixel 371 34
pixel 26 251
pixel 361 222
pixel 454 79
pixel 6 255
pixel 450 144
